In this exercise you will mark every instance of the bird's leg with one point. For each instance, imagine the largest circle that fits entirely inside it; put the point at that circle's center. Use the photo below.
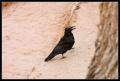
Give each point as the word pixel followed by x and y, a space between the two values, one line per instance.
pixel 63 56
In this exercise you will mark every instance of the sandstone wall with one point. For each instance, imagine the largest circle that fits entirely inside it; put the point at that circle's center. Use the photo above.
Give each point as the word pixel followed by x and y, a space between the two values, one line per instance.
pixel 104 65
pixel 30 31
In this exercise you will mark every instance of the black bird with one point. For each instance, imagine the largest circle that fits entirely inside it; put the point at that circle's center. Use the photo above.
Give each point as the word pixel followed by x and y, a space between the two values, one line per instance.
pixel 64 44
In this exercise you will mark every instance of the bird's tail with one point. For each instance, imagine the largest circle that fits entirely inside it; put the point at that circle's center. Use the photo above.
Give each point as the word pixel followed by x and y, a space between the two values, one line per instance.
pixel 50 57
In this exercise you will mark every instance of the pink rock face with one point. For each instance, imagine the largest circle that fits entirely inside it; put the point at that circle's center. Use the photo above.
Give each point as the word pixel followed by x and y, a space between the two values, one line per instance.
pixel 30 30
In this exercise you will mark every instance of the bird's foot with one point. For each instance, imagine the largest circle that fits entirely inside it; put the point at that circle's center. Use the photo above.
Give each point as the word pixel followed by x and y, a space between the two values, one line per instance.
pixel 63 57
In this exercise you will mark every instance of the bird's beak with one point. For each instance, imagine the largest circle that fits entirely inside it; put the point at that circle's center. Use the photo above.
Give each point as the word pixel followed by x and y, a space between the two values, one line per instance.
pixel 73 27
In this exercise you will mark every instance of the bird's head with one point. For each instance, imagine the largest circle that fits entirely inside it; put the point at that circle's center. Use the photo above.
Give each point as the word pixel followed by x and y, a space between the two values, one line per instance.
pixel 67 30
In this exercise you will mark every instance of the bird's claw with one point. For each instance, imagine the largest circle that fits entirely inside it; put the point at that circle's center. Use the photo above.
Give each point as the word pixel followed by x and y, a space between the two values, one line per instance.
pixel 63 57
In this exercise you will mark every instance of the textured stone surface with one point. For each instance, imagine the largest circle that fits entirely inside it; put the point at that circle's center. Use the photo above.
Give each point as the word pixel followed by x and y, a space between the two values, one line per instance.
pixel 105 62
pixel 31 30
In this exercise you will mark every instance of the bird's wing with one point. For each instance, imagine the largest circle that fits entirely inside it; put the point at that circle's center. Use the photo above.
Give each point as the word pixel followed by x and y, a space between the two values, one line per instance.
pixel 65 41
pixel 58 49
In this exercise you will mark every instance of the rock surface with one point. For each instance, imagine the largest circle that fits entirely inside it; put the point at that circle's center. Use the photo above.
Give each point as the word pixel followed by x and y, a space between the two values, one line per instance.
pixel 30 30
pixel 104 64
